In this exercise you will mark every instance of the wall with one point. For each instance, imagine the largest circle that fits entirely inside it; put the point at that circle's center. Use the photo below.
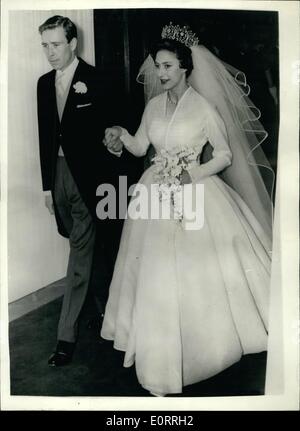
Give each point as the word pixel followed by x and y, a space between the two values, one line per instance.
pixel 37 255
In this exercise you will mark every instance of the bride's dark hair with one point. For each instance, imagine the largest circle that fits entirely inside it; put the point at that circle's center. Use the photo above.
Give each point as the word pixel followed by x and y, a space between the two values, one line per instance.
pixel 182 52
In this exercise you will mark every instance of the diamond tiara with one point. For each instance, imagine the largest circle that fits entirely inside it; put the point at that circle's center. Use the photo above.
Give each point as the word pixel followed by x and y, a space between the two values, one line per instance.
pixel 181 34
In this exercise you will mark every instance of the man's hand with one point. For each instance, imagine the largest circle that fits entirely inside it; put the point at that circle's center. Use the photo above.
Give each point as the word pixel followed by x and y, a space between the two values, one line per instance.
pixel 115 146
pixel 111 134
pixel 49 203
pixel 112 139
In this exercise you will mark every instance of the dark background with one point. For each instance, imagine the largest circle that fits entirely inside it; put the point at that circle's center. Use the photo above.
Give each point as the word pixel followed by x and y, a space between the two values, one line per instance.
pixel 248 40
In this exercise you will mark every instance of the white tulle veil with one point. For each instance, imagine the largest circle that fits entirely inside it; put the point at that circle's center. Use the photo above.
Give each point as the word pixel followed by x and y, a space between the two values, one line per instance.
pixel 250 174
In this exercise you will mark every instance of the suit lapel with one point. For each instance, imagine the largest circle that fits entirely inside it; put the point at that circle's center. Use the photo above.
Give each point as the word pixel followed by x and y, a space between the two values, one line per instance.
pixel 51 95
pixel 50 107
pixel 70 98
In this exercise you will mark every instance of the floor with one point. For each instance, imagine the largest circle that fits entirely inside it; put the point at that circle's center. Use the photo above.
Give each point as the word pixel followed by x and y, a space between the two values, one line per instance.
pixel 96 369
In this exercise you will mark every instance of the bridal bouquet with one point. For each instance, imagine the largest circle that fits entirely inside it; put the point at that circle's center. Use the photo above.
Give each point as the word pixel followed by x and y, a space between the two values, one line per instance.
pixel 168 168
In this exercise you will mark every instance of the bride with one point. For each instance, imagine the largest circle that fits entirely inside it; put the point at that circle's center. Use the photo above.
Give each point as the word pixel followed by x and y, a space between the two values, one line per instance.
pixel 186 304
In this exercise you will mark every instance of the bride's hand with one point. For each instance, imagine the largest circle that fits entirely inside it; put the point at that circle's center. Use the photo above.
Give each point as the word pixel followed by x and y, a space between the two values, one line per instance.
pixel 185 178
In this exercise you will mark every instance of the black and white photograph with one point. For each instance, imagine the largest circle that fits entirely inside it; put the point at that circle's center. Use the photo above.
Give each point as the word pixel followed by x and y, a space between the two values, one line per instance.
pixel 149 205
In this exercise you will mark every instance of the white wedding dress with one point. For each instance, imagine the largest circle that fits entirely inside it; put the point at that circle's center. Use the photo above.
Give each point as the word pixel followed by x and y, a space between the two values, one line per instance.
pixel 185 304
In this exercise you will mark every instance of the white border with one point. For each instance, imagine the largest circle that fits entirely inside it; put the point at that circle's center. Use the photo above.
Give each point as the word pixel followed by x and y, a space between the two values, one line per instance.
pixel 287 219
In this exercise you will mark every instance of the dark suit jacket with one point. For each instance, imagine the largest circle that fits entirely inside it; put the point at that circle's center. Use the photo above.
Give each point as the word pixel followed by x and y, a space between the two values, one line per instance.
pixel 80 133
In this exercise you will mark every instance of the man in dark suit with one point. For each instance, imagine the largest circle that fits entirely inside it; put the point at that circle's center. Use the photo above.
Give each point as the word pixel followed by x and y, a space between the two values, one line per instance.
pixel 73 110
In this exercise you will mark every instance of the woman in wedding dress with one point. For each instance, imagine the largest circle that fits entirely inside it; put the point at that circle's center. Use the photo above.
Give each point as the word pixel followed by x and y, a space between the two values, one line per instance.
pixel 186 304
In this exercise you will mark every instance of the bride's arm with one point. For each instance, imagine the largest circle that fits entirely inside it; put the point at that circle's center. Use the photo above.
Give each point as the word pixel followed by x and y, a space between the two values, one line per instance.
pixel 137 144
pixel 221 155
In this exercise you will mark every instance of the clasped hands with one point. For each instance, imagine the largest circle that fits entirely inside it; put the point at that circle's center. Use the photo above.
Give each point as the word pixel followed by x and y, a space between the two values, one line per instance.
pixel 114 144
pixel 112 139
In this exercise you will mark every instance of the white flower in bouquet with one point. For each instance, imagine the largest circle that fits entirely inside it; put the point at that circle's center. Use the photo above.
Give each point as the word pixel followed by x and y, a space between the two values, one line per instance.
pixel 168 168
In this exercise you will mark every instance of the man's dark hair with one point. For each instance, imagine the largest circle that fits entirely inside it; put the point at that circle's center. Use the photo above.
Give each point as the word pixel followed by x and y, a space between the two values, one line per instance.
pixel 60 21
pixel 183 53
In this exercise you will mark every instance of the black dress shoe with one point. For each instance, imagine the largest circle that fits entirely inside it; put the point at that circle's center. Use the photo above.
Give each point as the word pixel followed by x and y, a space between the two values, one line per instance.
pixel 62 355
pixel 59 359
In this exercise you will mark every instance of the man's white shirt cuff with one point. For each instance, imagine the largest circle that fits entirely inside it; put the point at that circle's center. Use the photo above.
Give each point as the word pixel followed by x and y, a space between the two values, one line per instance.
pixel 116 153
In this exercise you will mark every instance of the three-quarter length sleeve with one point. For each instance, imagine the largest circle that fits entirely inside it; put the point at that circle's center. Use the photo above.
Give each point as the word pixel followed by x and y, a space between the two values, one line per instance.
pixel 139 143
pixel 221 155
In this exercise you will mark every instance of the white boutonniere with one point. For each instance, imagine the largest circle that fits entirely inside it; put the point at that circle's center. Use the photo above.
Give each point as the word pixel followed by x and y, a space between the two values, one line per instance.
pixel 80 87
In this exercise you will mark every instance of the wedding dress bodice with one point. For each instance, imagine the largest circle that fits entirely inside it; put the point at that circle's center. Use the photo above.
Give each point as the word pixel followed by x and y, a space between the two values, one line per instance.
pixel 194 123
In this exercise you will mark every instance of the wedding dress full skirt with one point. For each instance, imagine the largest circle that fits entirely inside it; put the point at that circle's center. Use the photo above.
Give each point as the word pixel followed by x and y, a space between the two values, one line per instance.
pixel 185 304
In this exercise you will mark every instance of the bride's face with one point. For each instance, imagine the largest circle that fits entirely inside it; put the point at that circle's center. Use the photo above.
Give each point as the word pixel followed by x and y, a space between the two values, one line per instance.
pixel 168 69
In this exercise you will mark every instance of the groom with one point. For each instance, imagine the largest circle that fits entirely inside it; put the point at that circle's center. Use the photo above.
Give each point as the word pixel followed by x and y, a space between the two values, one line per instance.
pixel 73 110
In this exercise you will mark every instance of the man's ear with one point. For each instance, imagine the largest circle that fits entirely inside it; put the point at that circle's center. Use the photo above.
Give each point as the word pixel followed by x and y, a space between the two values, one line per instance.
pixel 73 44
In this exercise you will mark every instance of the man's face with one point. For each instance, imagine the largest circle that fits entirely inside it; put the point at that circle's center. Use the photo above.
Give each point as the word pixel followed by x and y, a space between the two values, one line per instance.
pixel 59 52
